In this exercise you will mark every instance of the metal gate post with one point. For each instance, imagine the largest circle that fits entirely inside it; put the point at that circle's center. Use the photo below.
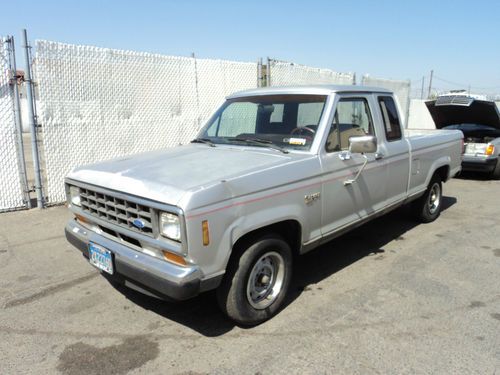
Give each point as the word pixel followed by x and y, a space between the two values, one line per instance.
pixel 32 122
pixel 259 72
pixel 408 104
pixel 19 123
pixel 198 115
pixel 268 72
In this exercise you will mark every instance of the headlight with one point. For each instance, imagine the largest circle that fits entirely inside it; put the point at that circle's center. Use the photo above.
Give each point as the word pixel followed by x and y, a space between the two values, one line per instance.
pixel 74 196
pixel 170 226
pixel 475 148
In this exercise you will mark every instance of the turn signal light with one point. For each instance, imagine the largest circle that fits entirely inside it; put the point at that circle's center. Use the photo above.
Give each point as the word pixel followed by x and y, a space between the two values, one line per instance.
pixel 82 219
pixel 206 234
pixel 174 258
pixel 490 150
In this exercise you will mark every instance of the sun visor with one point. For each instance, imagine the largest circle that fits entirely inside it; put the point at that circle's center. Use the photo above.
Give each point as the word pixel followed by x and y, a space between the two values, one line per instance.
pixel 459 109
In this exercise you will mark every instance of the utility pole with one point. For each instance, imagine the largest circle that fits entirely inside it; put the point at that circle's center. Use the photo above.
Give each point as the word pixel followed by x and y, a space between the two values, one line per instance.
pixel 422 91
pixel 430 85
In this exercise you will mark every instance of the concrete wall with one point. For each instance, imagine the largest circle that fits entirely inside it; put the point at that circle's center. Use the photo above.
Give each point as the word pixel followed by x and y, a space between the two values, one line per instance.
pixel 419 117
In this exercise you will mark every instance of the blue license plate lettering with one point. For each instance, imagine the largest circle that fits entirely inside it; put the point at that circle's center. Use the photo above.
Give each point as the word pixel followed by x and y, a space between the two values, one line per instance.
pixel 101 258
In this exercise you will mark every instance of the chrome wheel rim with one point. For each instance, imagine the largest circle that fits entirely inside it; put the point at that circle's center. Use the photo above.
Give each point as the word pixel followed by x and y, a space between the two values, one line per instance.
pixel 434 198
pixel 266 280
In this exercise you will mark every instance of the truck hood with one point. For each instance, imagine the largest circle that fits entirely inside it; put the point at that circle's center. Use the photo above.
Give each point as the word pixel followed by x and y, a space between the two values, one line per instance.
pixel 166 175
pixel 459 109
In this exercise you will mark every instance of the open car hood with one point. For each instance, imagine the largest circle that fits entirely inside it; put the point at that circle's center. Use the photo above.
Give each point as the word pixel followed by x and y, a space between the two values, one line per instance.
pixel 459 109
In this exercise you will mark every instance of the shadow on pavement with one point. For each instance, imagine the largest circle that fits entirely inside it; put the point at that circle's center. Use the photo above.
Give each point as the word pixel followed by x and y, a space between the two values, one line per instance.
pixel 203 315
pixel 367 240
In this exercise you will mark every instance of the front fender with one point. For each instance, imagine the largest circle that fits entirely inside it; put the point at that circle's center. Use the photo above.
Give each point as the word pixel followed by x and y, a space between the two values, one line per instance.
pixel 250 222
pixel 266 217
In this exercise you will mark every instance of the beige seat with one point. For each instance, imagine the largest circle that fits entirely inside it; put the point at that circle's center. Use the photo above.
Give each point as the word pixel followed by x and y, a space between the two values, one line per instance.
pixel 332 142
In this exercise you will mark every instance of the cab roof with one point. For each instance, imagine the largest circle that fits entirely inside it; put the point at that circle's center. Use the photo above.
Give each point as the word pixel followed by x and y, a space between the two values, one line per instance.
pixel 309 90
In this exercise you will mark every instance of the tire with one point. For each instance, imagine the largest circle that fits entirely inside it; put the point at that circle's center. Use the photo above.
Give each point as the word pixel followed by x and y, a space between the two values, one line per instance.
pixel 427 208
pixel 496 172
pixel 256 281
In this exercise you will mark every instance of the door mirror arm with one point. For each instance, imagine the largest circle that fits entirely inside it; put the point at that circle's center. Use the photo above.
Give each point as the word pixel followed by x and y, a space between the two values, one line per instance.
pixel 353 180
pixel 359 145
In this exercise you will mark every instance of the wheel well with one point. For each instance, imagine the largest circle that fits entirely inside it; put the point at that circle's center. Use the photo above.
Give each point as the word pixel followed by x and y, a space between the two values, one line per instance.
pixel 443 172
pixel 290 230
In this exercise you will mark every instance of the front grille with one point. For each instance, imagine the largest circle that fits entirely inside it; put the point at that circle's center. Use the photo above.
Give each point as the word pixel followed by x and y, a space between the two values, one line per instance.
pixel 117 211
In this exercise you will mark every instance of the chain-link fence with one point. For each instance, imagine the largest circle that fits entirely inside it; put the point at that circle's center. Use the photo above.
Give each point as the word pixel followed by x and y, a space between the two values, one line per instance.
pixel 11 192
pixel 100 103
pixel 401 89
pixel 281 73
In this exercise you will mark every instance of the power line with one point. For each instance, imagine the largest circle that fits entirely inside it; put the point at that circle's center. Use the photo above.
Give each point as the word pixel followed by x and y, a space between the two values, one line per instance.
pixel 464 84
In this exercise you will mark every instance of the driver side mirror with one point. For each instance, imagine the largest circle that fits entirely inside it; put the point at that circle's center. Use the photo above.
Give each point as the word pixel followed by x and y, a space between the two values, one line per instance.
pixel 363 144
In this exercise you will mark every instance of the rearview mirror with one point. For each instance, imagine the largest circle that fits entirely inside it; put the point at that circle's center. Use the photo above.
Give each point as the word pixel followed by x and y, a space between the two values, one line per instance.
pixel 363 144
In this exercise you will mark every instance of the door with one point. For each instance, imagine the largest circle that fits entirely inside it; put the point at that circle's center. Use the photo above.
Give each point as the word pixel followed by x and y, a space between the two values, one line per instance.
pixel 343 203
pixel 395 150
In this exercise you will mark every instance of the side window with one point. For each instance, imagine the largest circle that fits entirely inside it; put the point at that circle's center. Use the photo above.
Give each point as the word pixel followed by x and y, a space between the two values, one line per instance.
pixel 389 112
pixel 352 118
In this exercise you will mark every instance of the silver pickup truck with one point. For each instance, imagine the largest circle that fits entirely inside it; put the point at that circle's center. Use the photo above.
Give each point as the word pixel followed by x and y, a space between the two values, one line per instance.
pixel 274 173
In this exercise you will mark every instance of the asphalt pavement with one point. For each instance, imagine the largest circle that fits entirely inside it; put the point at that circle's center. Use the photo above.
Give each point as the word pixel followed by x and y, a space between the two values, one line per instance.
pixel 391 297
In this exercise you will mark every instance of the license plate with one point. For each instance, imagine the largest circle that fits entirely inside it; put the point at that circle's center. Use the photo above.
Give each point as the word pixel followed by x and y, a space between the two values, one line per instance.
pixel 101 258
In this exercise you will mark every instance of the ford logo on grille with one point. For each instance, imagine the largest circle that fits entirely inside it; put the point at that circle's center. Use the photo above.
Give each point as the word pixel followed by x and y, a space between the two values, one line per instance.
pixel 138 223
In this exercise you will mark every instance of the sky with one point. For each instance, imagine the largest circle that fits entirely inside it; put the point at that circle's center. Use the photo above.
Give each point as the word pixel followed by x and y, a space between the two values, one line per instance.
pixel 458 40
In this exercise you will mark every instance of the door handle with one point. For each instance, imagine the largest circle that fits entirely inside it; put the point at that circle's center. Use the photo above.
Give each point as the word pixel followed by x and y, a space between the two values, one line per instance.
pixel 379 156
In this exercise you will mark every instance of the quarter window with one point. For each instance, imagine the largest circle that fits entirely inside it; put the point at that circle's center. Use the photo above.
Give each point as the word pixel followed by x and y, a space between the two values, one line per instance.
pixel 389 112
pixel 352 119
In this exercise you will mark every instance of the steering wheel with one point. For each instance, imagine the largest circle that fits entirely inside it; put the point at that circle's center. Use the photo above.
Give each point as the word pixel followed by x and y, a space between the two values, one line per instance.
pixel 303 130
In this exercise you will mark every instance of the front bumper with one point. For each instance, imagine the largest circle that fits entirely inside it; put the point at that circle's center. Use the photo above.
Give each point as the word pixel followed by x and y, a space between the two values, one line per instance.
pixel 479 163
pixel 144 272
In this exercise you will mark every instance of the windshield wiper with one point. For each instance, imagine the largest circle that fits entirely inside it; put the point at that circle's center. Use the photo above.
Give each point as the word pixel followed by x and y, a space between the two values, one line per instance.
pixel 260 142
pixel 203 140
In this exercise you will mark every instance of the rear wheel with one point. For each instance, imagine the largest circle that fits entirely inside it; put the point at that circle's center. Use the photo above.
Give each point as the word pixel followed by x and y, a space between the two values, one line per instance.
pixel 428 207
pixel 256 281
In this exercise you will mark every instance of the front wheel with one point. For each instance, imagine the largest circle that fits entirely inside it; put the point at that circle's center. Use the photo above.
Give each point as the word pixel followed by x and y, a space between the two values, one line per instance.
pixel 428 207
pixel 256 281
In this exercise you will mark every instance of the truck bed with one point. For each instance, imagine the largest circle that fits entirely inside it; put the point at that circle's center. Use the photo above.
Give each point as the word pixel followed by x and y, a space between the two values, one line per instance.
pixel 428 148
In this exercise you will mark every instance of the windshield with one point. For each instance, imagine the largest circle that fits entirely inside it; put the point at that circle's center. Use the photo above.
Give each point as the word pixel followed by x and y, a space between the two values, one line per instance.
pixel 283 121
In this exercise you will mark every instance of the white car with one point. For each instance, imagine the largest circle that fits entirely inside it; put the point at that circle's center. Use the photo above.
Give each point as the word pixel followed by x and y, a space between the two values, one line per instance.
pixel 479 121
